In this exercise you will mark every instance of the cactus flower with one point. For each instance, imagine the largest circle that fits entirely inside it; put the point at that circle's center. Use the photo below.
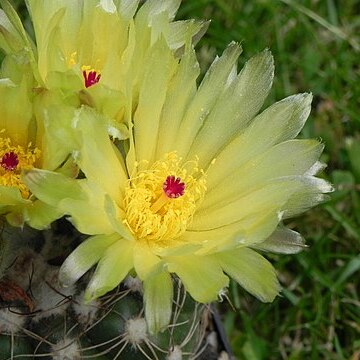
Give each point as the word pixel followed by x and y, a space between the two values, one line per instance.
pixel 91 47
pixel 26 135
pixel 21 149
pixel 203 182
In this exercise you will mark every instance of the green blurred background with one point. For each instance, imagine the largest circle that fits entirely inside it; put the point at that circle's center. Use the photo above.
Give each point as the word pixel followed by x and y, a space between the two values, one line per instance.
pixel 316 45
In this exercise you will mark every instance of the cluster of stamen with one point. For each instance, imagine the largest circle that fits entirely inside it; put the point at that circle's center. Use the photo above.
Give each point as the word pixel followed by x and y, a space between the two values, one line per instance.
pixel 91 76
pixel 161 200
pixel 14 159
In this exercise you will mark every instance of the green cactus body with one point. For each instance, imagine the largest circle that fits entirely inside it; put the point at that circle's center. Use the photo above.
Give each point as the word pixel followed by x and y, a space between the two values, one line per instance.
pixel 125 327
pixel 44 319
pixel 14 346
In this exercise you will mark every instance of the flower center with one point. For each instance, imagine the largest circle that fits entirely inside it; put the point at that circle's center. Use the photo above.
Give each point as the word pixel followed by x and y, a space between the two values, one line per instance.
pixel 9 161
pixel 160 201
pixel 173 187
pixel 91 76
pixel 14 159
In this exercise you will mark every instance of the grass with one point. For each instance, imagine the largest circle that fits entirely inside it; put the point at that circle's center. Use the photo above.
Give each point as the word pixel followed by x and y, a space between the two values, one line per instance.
pixel 316 46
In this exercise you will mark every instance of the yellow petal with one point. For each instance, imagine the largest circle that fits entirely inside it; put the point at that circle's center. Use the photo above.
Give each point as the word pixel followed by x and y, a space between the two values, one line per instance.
pixel 15 119
pixel 184 83
pixel 248 231
pixel 11 196
pixel 151 8
pixel 253 272
pixel 84 257
pixel 12 39
pixel 205 98
pixel 78 198
pixel 182 31
pixel 283 241
pixel 280 122
pixel 98 157
pixel 114 265
pixel 40 215
pixel 116 218
pixel 127 8
pixel 87 217
pixel 158 296
pixel 235 107
pixel 51 187
pixel 146 263
pixel 102 38
pixel 160 65
pixel 311 193
pixel 274 194
pixel 202 276
pixel 54 115
pixel 293 157
pixel 58 20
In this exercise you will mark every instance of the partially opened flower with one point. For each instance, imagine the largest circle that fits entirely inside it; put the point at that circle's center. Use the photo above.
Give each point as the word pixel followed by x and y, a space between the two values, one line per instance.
pixel 26 134
pixel 21 148
pixel 202 181
pixel 98 47
pixel 92 52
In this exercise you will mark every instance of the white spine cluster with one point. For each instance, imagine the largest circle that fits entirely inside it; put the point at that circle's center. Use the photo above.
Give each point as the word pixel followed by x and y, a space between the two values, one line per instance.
pixel 136 331
pixel 175 353
pixel 86 313
pixel 49 297
pixel 11 321
pixel 66 349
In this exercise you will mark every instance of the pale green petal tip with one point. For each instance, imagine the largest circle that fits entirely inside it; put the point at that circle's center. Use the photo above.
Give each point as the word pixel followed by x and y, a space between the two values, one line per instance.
pixel 301 104
pixel 40 215
pixel 15 219
pixel 209 292
pixel 36 214
pixel 92 294
pixel 252 271
pixel 108 6
pixel 202 276
pixel 269 291
pixel 86 255
pixel 283 241
pixel 158 301
pixel 67 276
pixel 51 187
pixel 98 287
pixel 115 263
pixel 267 58
pixel 261 64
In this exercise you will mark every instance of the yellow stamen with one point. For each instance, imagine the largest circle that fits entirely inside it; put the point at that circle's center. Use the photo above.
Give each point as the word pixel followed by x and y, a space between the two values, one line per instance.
pixel 26 158
pixel 72 60
pixel 151 215
pixel 159 203
pixel 87 68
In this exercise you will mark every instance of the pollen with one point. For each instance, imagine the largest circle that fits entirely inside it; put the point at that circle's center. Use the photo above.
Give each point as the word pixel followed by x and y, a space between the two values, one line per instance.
pixel 160 201
pixel 14 159
pixel 72 59
pixel 91 76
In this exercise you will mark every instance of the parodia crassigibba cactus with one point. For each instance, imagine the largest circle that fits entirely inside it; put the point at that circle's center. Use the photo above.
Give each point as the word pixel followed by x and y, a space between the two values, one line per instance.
pixel 174 185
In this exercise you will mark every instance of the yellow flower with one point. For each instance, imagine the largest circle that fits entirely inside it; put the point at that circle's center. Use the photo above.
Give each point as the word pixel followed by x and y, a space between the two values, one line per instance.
pixel 23 145
pixel 202 181
pixel 93 46
pixel 92 52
